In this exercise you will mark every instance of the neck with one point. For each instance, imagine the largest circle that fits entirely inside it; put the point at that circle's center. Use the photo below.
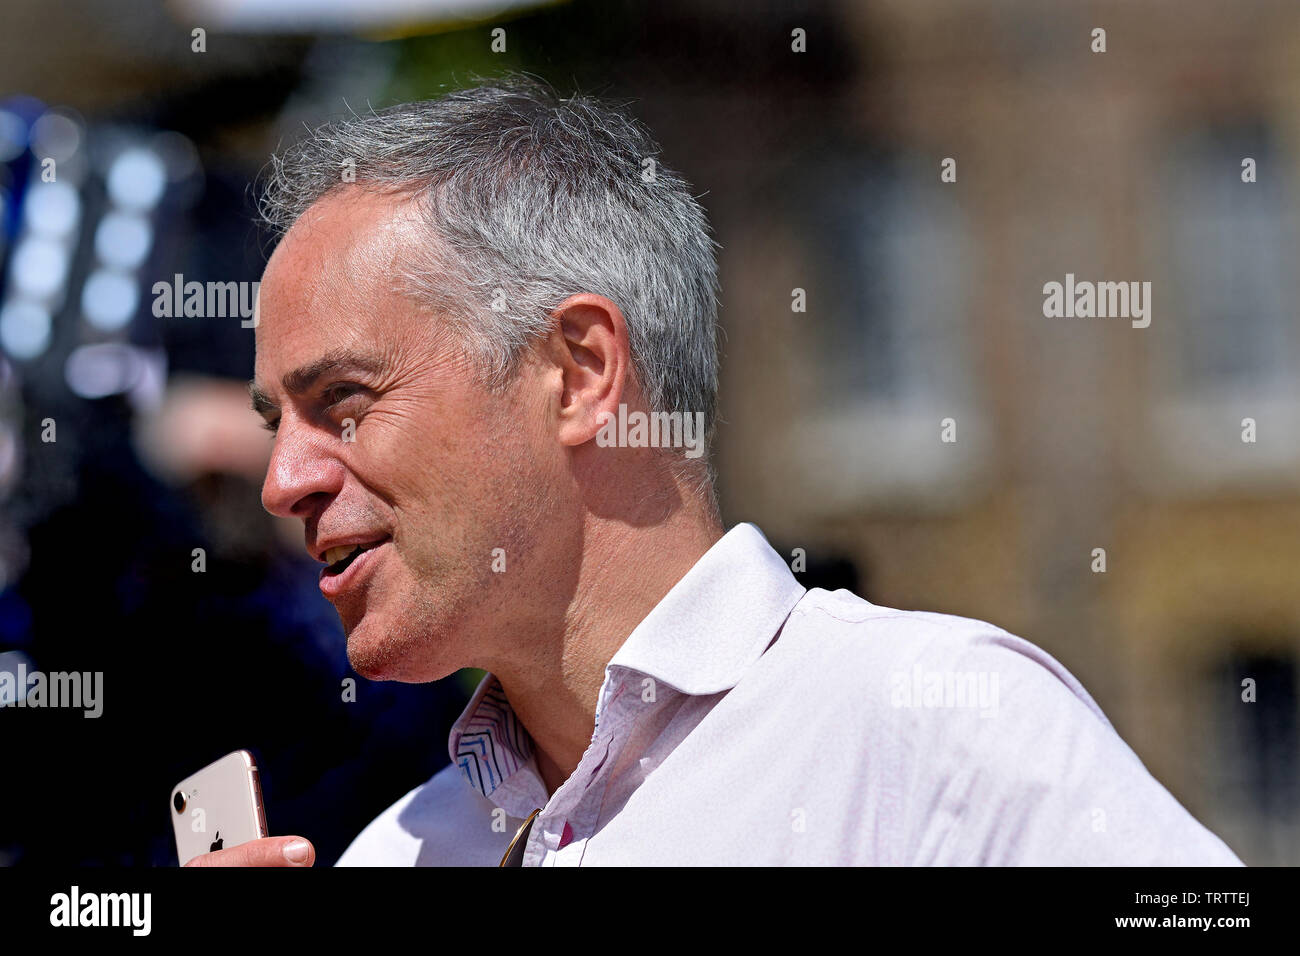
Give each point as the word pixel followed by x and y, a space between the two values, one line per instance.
pixel 626 569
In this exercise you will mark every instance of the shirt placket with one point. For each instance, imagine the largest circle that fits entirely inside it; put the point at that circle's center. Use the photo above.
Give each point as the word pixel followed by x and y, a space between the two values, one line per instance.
pixel 561 831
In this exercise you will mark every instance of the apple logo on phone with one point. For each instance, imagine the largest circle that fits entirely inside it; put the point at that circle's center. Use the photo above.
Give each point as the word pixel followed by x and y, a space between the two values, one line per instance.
pixel 216 844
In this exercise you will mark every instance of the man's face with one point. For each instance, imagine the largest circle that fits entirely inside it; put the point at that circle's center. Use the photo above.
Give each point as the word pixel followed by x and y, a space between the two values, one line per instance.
pixel 406 472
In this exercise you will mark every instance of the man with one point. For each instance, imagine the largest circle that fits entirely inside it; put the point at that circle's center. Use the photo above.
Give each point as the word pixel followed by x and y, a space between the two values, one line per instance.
pixel 467 293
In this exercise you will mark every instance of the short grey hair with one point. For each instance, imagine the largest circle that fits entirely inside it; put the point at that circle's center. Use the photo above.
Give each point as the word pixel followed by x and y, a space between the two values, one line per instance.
pixel 533 197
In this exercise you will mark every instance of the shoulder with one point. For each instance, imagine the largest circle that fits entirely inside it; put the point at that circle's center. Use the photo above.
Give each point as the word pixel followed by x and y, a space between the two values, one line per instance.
pixel 921 682
pixel 984 728
pixel 890 654
pixel 442 822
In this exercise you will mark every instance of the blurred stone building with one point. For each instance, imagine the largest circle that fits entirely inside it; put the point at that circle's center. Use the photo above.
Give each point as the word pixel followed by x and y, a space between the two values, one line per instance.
pixel 924 302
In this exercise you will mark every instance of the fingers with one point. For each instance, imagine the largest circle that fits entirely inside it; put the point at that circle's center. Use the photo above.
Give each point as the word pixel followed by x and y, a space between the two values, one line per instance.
pixel 268 851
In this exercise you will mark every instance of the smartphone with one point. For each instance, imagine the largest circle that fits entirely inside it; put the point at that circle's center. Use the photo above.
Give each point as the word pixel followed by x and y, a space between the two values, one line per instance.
pixel 218 807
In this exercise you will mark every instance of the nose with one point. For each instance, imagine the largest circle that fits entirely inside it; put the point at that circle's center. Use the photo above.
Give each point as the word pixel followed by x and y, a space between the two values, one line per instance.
pixel 303 472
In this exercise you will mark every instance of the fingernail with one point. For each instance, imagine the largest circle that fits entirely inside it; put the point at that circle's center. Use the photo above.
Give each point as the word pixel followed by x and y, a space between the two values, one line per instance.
pixel 297 852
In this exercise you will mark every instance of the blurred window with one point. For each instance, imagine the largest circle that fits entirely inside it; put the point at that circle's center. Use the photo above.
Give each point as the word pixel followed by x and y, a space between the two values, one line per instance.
pixel 1224 337
pixel 1257 744
pixel 1233 256
pixel 893 258
pixel 889 305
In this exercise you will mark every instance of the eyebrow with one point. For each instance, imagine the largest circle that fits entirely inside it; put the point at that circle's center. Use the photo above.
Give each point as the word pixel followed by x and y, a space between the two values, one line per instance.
pixel 305 376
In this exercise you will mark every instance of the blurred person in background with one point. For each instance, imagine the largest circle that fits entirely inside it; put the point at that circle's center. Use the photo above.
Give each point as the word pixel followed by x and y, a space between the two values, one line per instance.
pixel 197 657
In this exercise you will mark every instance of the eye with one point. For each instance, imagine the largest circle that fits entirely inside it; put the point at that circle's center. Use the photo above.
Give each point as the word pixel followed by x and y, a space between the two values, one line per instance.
pixel 339 393
pixel 272 425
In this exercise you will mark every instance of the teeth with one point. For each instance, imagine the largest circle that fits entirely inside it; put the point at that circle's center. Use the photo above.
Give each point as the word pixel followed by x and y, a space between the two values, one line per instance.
pixel 339 553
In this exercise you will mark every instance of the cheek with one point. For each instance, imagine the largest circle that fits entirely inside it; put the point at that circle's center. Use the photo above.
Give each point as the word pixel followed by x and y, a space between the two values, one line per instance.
pixel 433 484
pixel 399 459
pixel 454 474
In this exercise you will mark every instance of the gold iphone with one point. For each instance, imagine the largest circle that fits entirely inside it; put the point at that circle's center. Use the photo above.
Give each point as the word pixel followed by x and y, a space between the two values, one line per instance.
pixel 218 807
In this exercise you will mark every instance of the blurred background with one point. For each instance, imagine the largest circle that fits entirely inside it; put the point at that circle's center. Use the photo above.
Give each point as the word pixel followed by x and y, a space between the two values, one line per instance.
pixel 129 144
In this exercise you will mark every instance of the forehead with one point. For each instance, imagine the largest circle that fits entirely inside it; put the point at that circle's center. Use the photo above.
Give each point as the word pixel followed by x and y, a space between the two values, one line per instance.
pixel 332 282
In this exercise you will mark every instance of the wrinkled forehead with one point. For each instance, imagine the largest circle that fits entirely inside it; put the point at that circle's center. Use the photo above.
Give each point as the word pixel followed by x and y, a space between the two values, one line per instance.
pixel 334 281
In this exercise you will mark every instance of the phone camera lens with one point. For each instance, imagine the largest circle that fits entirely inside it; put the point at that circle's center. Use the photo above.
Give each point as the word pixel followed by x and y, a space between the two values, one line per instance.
pixel 178 802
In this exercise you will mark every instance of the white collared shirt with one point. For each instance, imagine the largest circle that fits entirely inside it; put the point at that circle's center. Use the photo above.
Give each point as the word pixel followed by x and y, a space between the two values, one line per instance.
pixel 748 722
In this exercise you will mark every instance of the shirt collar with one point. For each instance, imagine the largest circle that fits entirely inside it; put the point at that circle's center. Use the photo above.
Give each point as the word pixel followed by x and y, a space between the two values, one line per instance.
pixel 487 741
pixel 700 639
pixel 717 620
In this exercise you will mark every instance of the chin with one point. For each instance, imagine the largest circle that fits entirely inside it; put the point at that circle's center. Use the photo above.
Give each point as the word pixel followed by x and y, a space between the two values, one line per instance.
pixel 368 664
pixel 374 655
pixel 388 650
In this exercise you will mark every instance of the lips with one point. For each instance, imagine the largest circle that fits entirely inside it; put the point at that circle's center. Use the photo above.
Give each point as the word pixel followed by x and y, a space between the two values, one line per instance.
pixel 334 554
pixel 336 559
pixel 347 565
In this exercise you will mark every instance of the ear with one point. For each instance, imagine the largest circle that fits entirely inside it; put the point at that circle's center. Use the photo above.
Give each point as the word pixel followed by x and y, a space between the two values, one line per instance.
pixel 592 352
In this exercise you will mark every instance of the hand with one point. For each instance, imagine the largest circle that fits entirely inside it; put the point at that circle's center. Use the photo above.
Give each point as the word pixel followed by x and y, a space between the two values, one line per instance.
pixel 268 851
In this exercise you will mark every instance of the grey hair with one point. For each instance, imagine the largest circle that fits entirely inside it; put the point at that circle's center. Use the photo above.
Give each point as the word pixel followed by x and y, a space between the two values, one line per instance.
pixel 533 198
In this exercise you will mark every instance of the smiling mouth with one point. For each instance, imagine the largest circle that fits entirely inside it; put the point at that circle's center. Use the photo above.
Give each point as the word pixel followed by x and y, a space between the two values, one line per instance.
pixel 342 557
